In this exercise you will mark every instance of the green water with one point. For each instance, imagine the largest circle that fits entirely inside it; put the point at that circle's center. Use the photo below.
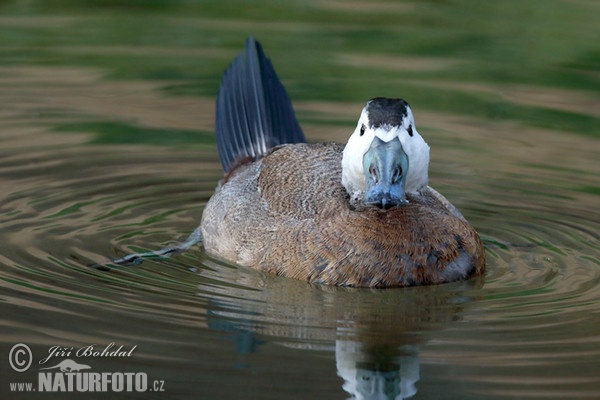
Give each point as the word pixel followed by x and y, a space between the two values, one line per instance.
pixel 107 147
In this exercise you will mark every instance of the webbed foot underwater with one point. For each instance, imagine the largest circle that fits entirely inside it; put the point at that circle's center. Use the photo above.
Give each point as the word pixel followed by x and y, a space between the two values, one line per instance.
pixel 358 215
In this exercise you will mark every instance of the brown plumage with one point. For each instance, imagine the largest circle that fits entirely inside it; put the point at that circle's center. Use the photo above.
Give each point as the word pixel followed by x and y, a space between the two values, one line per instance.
pixel 289 214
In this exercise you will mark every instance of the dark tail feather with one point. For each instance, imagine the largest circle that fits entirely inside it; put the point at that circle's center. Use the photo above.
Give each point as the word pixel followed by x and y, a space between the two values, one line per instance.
pixel 254 112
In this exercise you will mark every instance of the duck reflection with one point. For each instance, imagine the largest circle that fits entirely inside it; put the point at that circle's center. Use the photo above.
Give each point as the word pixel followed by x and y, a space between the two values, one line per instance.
pixel 377 372
pixel 375 334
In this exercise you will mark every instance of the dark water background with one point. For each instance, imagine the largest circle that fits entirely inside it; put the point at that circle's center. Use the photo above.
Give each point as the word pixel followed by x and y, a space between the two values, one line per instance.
pixel 107 147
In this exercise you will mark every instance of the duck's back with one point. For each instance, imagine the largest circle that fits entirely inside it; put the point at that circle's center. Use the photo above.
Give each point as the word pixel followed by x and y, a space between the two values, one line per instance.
pixel 288 214
pixel 302 181
pixel 287 189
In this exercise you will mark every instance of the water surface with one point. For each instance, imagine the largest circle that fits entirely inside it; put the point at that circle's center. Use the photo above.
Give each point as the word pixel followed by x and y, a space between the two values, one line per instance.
pixel 106 148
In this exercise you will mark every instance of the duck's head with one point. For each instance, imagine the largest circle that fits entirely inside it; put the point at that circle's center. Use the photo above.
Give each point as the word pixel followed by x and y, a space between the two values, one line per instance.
pixel 385 157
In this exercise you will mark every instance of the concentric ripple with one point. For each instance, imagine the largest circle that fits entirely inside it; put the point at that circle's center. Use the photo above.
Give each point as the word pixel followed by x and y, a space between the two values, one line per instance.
pixel 511 333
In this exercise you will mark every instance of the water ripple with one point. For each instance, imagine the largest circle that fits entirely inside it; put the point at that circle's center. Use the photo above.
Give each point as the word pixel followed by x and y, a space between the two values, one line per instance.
pixel 530 317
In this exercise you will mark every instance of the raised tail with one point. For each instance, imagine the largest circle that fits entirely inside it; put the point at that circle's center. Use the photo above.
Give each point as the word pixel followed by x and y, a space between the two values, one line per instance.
pixel 253 112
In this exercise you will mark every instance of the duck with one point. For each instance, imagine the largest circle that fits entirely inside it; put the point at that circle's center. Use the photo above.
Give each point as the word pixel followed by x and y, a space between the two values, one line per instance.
pixel 360 214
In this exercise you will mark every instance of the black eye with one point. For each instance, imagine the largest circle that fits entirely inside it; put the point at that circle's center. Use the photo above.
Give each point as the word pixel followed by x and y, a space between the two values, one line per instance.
pixel 363 128
pixel 410 132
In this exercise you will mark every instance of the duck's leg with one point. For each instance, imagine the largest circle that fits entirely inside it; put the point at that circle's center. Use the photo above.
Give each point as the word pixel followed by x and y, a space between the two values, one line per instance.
pixel 137 258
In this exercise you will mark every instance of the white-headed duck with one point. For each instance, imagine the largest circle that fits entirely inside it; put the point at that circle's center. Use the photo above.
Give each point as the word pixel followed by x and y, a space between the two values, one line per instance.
pixel 358 215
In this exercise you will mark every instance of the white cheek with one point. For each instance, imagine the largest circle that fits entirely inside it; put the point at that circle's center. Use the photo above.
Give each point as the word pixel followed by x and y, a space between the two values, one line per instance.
pixel 358 150
pixel 352 175
pixel 418 153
